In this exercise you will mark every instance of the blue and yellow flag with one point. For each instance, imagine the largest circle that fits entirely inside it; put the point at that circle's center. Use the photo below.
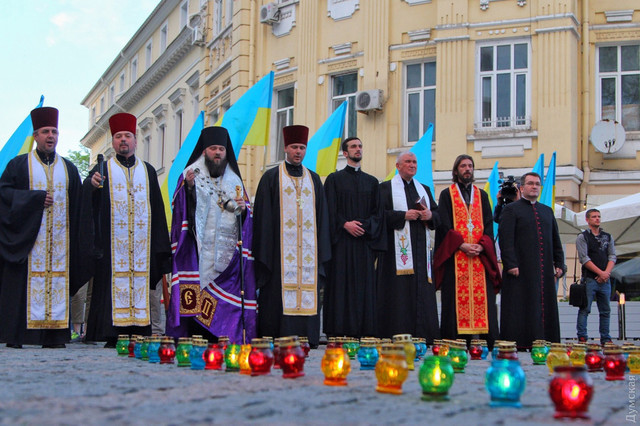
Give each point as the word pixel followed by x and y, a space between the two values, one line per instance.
pixel 539 167
pixel 492 187
pixel 247 121
pixel 422 150
pixel 324 145
pixel 548 192
pixel 179 163
pixel 20 142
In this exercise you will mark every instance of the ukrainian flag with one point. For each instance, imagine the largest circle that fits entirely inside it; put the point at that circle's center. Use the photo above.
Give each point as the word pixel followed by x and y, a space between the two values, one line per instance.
pixel 20 142
pixel 539 167
pixel 422 150
pixel 179 163
pixel 548 192
pixel 324 145
pixel 491 188
pixel 247 121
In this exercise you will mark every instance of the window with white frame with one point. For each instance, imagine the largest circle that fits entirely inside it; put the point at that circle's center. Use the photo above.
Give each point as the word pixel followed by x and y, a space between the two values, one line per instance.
pixel 217 17
pixel 148 51
pixel 618 84
pixel 503 85
pixel 146 147
pixel 179 129
pixel 284 117
pixel 112 94
pixel 229 12
pixel 164 36
pixel 184 14
pixel 344 87
pixel 102 108
pixel 161 138
pixel 420 99
pixel 122 82
pixel 134 70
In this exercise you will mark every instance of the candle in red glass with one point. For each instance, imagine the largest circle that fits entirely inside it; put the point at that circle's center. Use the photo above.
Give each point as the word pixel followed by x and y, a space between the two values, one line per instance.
pixel 331 342
pixel 223 342
pixel 167 351
pixel 213 357
pixel 260 357
pixel 614 363
pixel 507 350
pixel 571 390
pixel 594 359
pixel 276 353
pixel 291 358
pixel 475 350
pixel 132 345
pixel 304 344
pixel 435 348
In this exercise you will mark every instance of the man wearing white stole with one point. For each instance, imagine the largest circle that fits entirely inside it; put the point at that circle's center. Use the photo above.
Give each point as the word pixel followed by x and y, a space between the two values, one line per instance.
pixel 125 226
pixel 291 243
pixel 406 299
pixel 39 205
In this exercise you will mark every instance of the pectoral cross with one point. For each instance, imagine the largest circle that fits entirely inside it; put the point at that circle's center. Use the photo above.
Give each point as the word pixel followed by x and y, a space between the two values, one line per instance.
pixel 470 226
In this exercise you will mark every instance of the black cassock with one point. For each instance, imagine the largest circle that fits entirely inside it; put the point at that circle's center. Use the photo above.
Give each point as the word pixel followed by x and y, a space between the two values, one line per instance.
pixel 96 238
pixel 350 291
pixel 406 303
pixel 21 211
pixel 529 240
pixel 266 250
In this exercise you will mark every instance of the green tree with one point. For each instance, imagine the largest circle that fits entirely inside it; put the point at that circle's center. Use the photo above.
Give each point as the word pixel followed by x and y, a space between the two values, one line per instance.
pixel 80 158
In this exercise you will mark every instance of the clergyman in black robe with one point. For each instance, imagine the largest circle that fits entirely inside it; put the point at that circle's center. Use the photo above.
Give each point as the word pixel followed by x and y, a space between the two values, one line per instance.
pixel 21 213
pixel 355 219
pixel 267 247
pixel 406 299
pixel 97 234
pixel 532 259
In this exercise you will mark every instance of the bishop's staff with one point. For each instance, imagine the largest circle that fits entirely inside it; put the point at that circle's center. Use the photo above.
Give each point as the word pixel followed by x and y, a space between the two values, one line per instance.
pixel 238 214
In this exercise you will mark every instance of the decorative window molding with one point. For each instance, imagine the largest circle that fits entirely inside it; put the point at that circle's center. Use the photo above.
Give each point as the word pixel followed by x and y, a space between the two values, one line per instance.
pixel 287 20
pixel 342 9
pixel 177 97
pixel 619 15
pixel 342 48
pixel 419 35
pixel 160 112
pixel 282 64
pixel 145 124
pixel 416 2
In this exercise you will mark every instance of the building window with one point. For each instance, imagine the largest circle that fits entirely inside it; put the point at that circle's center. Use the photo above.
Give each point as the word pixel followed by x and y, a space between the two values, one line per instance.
pixel 179 128
pixel 102 108
pixel 164 35
pixel 503 85
pixel 134 70
pixel 217 17
pixel 184 14
pixel 148 55
pixel 112 94
pixel 229 12
pixel 161 139
pixel 618 90
pixel 93 115
pixel 146 147
pixel 284 117
pixel 420 99
pixel 122 82
pixel 345 87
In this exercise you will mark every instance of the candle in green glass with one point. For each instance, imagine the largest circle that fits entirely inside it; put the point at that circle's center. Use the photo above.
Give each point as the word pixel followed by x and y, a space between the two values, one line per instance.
pixel 458 356
pixel 232 357
pixel 539 352
pixel 122 345
pixel 436 377
pixel 183 350
pixel 352 346
pixel 144 349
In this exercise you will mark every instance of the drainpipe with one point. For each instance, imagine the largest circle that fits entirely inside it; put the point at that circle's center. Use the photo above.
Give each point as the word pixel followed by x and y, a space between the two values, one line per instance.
pixel 586 102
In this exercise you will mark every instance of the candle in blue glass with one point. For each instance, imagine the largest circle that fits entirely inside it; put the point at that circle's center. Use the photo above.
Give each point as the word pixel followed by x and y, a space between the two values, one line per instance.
pixel 196 354
pixel 494 351
pixel 368 354
pixel 154 345
pixel 416 343
pixel 137 349
pixel 505 381
pixel 423 347
pixel 485 349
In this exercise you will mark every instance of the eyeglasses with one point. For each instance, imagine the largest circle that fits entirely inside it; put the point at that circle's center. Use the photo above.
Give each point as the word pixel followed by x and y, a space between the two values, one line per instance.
pixel 533 183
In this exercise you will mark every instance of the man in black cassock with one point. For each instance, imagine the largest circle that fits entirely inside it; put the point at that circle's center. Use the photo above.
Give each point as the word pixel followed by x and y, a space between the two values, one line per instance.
pixel 39 204
pixel 355 221
pixel 406 297
pixel 465 264
pixel 126 238
pixel 291 244
pixel 532 259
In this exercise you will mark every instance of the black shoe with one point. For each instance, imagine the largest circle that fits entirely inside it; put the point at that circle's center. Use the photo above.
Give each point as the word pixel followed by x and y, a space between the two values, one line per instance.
pixel 14 346
pixel 57 346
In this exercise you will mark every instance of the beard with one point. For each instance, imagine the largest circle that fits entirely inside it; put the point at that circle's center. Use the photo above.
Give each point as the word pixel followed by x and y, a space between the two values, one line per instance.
pixel 465 180
pixel 215 170
pixel 355 159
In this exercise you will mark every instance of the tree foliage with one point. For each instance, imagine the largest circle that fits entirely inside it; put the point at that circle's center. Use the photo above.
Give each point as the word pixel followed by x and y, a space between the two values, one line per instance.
pixel 80 158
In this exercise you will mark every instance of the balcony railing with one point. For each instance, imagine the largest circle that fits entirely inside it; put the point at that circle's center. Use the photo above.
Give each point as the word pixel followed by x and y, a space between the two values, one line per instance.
pixel 503 123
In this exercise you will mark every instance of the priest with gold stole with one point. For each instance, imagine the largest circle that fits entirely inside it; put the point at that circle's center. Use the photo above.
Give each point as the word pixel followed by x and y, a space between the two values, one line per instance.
pixel 465 265
pixel 291 244
pixel 125 232
pixel 39 205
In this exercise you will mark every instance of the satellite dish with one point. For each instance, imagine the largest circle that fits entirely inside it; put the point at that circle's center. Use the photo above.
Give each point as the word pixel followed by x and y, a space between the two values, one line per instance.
pixel 608 136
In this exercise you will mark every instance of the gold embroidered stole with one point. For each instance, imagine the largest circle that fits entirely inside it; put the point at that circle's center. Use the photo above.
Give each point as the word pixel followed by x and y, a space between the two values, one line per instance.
pixel 48 263
pixel 471 287
pixel 130 243
pixel 298 244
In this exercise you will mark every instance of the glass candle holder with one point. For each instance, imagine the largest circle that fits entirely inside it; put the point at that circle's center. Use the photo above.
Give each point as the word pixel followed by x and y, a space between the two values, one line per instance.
pixel 406 342
pixel 122 345
pixel 223 342
pixel 213 357
pixel 137 349
pixel 539 352
pixel 435 348
pixel 132 346
pixel 571 390
pixel 260 357
pixel 167 350
pixel 505 381
pixel 154 346
pixel 614 363
pixel 367 354
pixel 475 349
pixel 594 358
pixel 416 343
pixel 391 369
pixel 422 344
pixel 494 351
pixel 436 378
pixel 291 358
pixel 183 351
pixel 331 342
pixel 578 352
pixel 335 366
pixel 633 361
pixel 507 350
pixel 276 353
pixel 485 349
pixel 196 354
pixel 144 348
pixel 351 346
pixel 232 358
pixel 243 361
pixel 304 344
pixel 557 357
pixel 458 355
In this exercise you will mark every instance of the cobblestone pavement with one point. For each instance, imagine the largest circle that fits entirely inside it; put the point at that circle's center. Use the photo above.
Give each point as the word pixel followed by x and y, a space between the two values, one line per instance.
pixel 86 384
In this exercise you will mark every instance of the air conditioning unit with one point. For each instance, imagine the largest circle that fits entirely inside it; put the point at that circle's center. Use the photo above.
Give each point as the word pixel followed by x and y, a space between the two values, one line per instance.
pixel 269 13
pixel 368 100
pixel 198 37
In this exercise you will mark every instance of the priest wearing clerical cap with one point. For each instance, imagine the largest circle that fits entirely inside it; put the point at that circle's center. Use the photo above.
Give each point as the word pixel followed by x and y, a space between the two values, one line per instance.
pixel 39 206
pixel 291 243
pixel 125 238
pixel 213 290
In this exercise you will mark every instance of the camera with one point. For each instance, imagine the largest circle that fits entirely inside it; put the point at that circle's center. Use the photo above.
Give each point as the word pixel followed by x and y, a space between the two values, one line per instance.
pixel 508 190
